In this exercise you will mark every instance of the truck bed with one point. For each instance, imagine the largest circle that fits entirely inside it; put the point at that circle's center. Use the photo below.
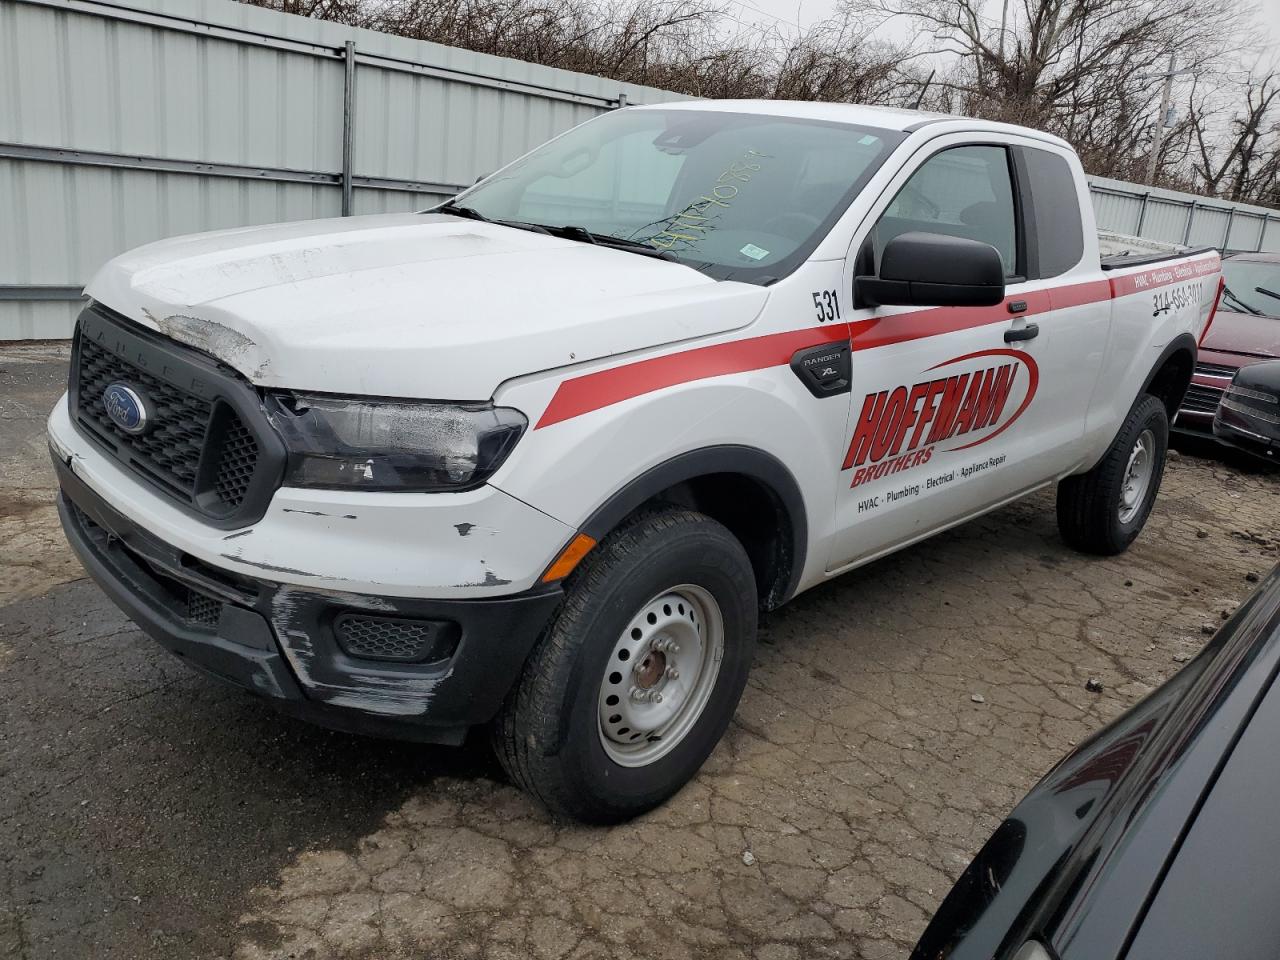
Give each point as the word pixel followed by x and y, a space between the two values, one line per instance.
pixel 1119 251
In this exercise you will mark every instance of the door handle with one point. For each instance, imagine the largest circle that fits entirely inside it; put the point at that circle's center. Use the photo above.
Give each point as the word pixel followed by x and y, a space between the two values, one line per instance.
pixel 1029 332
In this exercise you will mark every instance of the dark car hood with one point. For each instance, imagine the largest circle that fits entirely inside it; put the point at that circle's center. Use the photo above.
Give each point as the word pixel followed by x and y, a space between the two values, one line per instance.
pixel 1244 333
pixel 1075 860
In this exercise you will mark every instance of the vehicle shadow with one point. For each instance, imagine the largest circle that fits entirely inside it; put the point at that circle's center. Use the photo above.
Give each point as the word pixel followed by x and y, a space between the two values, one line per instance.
pixel 1207 448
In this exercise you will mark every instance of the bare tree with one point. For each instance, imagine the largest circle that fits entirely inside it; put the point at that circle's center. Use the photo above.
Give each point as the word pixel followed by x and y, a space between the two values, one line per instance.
pixel 1088 70
pixel 1085 69
pixel 834 62
pixel 687 46
pixel 1236 152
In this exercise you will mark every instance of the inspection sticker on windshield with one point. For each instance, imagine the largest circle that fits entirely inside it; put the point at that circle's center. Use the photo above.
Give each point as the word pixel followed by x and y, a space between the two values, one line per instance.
pixel 868 140
pixel 754 252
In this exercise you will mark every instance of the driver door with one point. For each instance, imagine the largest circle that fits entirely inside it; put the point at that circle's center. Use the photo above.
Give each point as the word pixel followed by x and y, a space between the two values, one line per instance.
pixel 940 426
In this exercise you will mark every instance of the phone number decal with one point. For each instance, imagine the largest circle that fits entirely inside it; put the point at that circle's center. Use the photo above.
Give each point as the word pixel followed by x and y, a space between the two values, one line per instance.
pixel 1177 298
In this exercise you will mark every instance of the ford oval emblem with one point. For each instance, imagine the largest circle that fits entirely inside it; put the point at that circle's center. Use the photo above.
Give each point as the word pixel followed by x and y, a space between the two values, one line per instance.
pixel 126 408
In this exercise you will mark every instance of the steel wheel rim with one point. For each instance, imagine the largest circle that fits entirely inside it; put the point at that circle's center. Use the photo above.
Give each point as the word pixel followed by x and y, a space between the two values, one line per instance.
pixel 1137 475
pixel 660 675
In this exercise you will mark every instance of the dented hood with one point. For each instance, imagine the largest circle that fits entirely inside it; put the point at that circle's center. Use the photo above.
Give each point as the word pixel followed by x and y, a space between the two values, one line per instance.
pixel 411 305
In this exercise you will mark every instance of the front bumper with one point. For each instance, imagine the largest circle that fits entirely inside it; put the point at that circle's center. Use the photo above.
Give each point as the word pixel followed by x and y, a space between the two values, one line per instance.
pixel 1201 401
pixel 1249 415
pixel 477 544
pixel 278 640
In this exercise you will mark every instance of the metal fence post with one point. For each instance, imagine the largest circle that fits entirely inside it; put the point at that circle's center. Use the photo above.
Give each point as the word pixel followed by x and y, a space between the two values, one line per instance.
pixel 1262 234
pixel 1191 219
pixel 1226 234
pixel 1142 213
pixel 348 122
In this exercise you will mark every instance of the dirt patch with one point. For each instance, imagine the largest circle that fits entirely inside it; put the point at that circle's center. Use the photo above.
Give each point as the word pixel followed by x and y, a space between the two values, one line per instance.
pixel 33 552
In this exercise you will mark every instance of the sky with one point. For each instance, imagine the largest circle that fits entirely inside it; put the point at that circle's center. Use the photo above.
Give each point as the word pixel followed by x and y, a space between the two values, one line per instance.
pixel 787 14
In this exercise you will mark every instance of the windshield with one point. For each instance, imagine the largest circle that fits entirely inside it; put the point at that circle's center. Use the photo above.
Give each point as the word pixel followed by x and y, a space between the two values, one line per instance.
pixel 737 196
pixel 1243 279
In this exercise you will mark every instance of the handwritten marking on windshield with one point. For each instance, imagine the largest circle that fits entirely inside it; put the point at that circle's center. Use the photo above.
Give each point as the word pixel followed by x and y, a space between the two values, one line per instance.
pixel 691 224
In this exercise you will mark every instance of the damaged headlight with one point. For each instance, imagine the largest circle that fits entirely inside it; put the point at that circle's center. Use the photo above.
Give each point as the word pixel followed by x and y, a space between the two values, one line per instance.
pixel 392 444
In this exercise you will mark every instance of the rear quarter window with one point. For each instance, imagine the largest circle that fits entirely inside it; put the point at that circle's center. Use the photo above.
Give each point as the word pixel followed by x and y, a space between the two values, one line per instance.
pixel 1059 236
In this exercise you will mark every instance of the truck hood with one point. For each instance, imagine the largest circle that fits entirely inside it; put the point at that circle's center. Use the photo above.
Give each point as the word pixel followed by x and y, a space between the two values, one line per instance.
pixel 426 306
pixel 1244 333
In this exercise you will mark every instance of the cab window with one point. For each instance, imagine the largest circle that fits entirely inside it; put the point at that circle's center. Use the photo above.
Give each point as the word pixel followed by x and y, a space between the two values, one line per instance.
pixel 961 192
pixel 1059 236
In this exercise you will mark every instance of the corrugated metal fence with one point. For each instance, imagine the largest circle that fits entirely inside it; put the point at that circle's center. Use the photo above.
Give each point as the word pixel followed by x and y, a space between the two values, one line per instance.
pixel 1183 217
pixel 121 124
pixel 124 124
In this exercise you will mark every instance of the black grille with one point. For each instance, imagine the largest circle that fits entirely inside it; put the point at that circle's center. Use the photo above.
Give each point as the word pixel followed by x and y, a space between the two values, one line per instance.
pixel 388 638
pixel 1215 370
pixel 237 461
pixel 207 443
pixel 1201 399
pixel 170 451
pixel 202 609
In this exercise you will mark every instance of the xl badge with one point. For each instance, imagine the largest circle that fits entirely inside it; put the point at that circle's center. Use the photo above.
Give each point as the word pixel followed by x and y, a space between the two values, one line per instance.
pixel 126 408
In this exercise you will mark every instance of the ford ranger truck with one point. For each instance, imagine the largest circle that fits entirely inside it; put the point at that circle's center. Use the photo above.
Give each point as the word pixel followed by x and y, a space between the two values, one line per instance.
pixel 535 460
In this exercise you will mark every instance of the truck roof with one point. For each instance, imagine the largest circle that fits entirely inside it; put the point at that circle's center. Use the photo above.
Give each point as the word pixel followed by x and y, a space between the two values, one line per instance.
pixel 886 118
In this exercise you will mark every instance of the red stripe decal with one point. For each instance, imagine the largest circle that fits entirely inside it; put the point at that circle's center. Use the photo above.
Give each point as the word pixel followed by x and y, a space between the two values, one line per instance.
pixel 1079 294
pixel 1213 311
pixel 934 321
pixel 595 390
pixel 1163 276
pixel 592 391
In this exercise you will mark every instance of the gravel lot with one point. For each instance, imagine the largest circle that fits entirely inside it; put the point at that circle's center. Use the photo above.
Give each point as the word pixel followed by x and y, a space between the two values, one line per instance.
pixel 891 720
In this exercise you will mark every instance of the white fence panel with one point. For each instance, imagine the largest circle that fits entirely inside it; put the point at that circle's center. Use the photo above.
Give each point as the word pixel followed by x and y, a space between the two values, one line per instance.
pixel 1175 217
pixel 122 124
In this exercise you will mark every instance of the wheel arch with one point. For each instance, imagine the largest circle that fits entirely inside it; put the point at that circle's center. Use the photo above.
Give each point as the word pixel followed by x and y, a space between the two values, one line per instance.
pixel 748 490
pixel 1170 376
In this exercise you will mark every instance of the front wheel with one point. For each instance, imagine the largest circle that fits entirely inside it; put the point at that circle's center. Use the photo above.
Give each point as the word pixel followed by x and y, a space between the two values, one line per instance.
pixel 640 672
pixel 1104 510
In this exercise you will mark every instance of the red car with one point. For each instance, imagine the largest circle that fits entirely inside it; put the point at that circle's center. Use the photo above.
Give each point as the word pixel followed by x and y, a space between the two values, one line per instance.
pixel 1245 330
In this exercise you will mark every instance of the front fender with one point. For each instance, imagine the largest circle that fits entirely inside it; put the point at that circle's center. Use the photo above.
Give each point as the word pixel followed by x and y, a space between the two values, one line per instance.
pixel 590 471
pixel 751 462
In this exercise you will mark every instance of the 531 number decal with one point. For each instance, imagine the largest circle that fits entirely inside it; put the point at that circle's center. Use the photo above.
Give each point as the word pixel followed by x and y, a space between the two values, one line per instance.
pixel 827 304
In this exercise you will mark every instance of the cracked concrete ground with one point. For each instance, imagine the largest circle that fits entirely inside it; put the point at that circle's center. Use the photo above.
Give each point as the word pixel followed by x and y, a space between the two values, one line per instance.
pixel 146 813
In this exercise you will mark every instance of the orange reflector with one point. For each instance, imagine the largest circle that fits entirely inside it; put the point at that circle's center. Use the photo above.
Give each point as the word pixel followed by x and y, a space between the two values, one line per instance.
pixel 569 558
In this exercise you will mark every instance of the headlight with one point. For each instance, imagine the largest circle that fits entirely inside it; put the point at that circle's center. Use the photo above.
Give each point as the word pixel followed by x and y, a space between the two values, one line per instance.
pixel 392 444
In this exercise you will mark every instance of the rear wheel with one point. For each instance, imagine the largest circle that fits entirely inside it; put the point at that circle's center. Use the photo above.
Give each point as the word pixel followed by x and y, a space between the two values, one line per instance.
pixel 639 673
pixel 1104 510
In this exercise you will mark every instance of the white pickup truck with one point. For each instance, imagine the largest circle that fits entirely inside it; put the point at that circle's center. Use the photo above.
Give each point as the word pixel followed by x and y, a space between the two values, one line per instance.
pixel 535 459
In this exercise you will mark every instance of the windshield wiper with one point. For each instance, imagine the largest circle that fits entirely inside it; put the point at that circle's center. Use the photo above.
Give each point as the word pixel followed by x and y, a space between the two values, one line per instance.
pixel 1269 293
pixel 572 232
pixel 471 213
pixel 568 231
pixel 1228 292
pixel 458 210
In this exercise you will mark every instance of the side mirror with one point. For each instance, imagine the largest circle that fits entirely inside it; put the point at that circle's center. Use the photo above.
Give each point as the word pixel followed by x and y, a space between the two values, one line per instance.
pixel 934 270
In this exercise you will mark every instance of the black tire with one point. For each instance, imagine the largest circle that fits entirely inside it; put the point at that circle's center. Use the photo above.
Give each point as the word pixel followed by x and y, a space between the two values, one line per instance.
pixel 1089 504
pixel 548 734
